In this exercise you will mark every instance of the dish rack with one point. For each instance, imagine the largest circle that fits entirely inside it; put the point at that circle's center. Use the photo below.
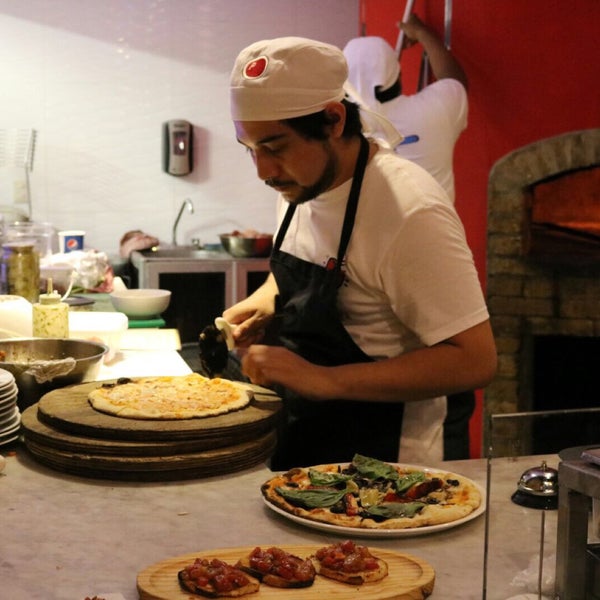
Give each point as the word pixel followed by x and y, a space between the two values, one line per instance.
pixel 17 149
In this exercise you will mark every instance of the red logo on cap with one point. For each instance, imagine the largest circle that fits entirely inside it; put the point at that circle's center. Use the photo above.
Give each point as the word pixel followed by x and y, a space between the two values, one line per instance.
pixel 72 244
pixel 255 68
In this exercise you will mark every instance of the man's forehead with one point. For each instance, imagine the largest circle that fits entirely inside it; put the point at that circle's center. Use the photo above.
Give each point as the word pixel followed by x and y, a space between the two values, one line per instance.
pixel 261 132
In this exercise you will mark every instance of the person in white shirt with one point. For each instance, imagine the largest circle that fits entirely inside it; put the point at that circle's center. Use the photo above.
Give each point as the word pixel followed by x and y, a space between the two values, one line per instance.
pixel 430 120
pixel 377 302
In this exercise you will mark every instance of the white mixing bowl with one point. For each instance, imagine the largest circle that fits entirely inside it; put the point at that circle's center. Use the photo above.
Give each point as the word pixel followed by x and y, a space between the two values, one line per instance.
pixel 144 303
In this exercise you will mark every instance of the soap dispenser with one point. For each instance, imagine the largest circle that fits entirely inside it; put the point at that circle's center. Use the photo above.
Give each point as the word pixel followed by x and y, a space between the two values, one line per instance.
pixel 50 315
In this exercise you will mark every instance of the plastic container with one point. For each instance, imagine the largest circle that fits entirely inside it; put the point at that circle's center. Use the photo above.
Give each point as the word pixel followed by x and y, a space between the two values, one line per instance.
pixel 15 316
pixel 106 327
pixel 50 315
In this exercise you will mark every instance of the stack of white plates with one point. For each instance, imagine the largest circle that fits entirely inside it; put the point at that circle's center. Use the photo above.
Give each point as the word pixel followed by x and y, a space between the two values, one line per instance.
pixel 10 417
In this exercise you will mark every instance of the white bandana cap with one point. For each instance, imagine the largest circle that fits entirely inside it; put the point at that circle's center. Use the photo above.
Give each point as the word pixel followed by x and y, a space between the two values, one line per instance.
pixel 289 77
pixel 284 78
pixel 372 63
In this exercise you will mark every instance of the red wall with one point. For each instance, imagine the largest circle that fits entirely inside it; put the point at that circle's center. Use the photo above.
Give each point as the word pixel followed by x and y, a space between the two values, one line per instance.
pixel 533 73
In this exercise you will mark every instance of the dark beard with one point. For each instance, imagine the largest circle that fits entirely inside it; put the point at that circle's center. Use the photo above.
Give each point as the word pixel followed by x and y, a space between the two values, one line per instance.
pixel 321 185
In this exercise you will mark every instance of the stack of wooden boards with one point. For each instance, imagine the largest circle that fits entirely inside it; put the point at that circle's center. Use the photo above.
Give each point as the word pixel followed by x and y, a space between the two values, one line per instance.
pixel 64 432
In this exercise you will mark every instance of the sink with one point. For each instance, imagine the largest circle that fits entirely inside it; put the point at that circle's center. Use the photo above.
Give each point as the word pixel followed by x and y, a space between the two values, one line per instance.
pixel 183 253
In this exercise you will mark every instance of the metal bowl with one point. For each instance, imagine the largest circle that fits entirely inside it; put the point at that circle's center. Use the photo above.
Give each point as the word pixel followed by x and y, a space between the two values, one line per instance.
pixel 40 365
pixel 242 246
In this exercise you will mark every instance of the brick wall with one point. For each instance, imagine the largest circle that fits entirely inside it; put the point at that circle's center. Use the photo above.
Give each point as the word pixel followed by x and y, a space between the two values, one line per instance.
pixel 527 297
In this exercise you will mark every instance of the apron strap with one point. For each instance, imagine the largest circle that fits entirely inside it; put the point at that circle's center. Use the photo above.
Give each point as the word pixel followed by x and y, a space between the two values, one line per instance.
pixel 291 209
pixel 359 171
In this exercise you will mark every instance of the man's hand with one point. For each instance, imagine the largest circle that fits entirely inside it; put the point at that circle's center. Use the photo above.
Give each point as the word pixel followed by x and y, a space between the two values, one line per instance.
pixel 253 315
pixel 444 64
pixel 412 28
pixel 269 365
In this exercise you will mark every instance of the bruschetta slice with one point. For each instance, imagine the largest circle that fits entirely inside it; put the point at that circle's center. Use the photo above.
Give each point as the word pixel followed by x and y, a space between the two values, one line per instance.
pixel 349 563
pixel 278 568
pixel 215 578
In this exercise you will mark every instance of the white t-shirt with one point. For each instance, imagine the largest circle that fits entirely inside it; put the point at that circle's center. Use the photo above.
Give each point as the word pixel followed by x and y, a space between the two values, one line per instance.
pixel 437 115
pixel 410 277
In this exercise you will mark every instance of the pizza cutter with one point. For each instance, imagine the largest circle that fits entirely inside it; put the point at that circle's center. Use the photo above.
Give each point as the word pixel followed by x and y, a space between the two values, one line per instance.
pixel 215 342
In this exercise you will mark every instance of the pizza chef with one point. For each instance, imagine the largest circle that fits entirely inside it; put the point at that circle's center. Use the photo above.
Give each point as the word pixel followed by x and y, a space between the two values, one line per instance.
pixel 372 291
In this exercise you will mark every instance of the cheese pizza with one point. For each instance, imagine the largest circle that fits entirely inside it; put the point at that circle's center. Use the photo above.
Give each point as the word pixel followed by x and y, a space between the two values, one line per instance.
pixel 169 397
pixel 371 494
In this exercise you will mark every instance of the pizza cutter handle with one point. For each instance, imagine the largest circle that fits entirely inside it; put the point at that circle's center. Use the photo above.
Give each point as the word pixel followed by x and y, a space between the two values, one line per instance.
pixel 226 330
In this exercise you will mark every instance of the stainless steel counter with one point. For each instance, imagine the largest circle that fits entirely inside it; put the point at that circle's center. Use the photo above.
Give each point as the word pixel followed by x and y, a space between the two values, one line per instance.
pixel 65 538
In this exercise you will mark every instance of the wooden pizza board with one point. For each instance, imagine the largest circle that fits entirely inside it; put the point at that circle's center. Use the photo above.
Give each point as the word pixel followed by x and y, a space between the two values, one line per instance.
pixel 67 409
pixel 40 433
pixel 173 467
pixel 409 578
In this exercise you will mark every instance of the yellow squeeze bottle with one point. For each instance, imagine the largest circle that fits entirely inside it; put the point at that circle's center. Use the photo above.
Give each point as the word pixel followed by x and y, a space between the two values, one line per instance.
pixel 50 315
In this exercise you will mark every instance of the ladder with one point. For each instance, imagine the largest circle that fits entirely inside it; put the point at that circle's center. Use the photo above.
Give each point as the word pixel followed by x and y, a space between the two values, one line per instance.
pixel 424 69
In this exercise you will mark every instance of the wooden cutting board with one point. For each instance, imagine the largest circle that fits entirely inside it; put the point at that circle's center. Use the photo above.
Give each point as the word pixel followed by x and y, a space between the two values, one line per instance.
pixel 409 578
pixel 67 409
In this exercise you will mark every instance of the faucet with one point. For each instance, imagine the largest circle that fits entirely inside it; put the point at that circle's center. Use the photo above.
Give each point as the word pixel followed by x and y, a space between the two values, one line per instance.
pixel 187 202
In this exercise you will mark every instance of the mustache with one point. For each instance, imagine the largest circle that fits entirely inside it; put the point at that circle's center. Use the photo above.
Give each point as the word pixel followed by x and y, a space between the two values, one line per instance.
pixel 271 182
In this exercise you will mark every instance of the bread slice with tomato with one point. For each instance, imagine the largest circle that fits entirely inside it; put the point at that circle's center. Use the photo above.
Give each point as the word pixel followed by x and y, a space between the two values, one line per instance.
pixel 349 563
pixel 276 567
pixel 215 578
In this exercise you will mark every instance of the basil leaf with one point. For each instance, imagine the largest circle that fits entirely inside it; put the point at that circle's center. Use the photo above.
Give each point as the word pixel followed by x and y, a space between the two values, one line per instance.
pixel 405 482
pixel 318 498
pixel 373 468
pixel 329 479
pixel 392 510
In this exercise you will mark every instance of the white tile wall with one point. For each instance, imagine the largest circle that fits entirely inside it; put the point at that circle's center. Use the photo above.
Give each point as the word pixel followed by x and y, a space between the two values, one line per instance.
pixel 97 78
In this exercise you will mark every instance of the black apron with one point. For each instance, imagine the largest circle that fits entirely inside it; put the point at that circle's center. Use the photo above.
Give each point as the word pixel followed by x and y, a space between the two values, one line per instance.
pixel 310 325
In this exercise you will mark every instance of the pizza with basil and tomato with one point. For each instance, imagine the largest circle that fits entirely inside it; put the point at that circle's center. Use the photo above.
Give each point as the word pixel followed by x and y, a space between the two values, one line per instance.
pixel 371 494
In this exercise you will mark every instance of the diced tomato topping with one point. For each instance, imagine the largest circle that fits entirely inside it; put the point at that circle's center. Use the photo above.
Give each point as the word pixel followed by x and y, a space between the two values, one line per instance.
pixel 422 489
pixel 347 557
pixel 351 504
pixel 216 573
pixel 279 562
pixel 393 497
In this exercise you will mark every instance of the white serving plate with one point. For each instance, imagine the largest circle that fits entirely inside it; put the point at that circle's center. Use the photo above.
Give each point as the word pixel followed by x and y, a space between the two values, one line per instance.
pixel 388 533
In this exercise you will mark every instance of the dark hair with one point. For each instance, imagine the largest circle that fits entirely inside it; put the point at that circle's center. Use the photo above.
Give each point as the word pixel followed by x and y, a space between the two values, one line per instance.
pixel 314 126
pixel 386 95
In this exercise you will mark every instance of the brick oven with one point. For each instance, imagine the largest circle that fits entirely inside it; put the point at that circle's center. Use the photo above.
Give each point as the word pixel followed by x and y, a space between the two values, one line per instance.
pixel 543 275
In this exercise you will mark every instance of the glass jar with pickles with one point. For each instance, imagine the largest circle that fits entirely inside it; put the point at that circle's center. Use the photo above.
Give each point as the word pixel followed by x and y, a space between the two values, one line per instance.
pixel 20 270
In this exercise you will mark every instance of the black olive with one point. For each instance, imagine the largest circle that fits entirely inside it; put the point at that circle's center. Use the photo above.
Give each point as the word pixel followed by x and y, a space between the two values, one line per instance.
pixel 376 518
